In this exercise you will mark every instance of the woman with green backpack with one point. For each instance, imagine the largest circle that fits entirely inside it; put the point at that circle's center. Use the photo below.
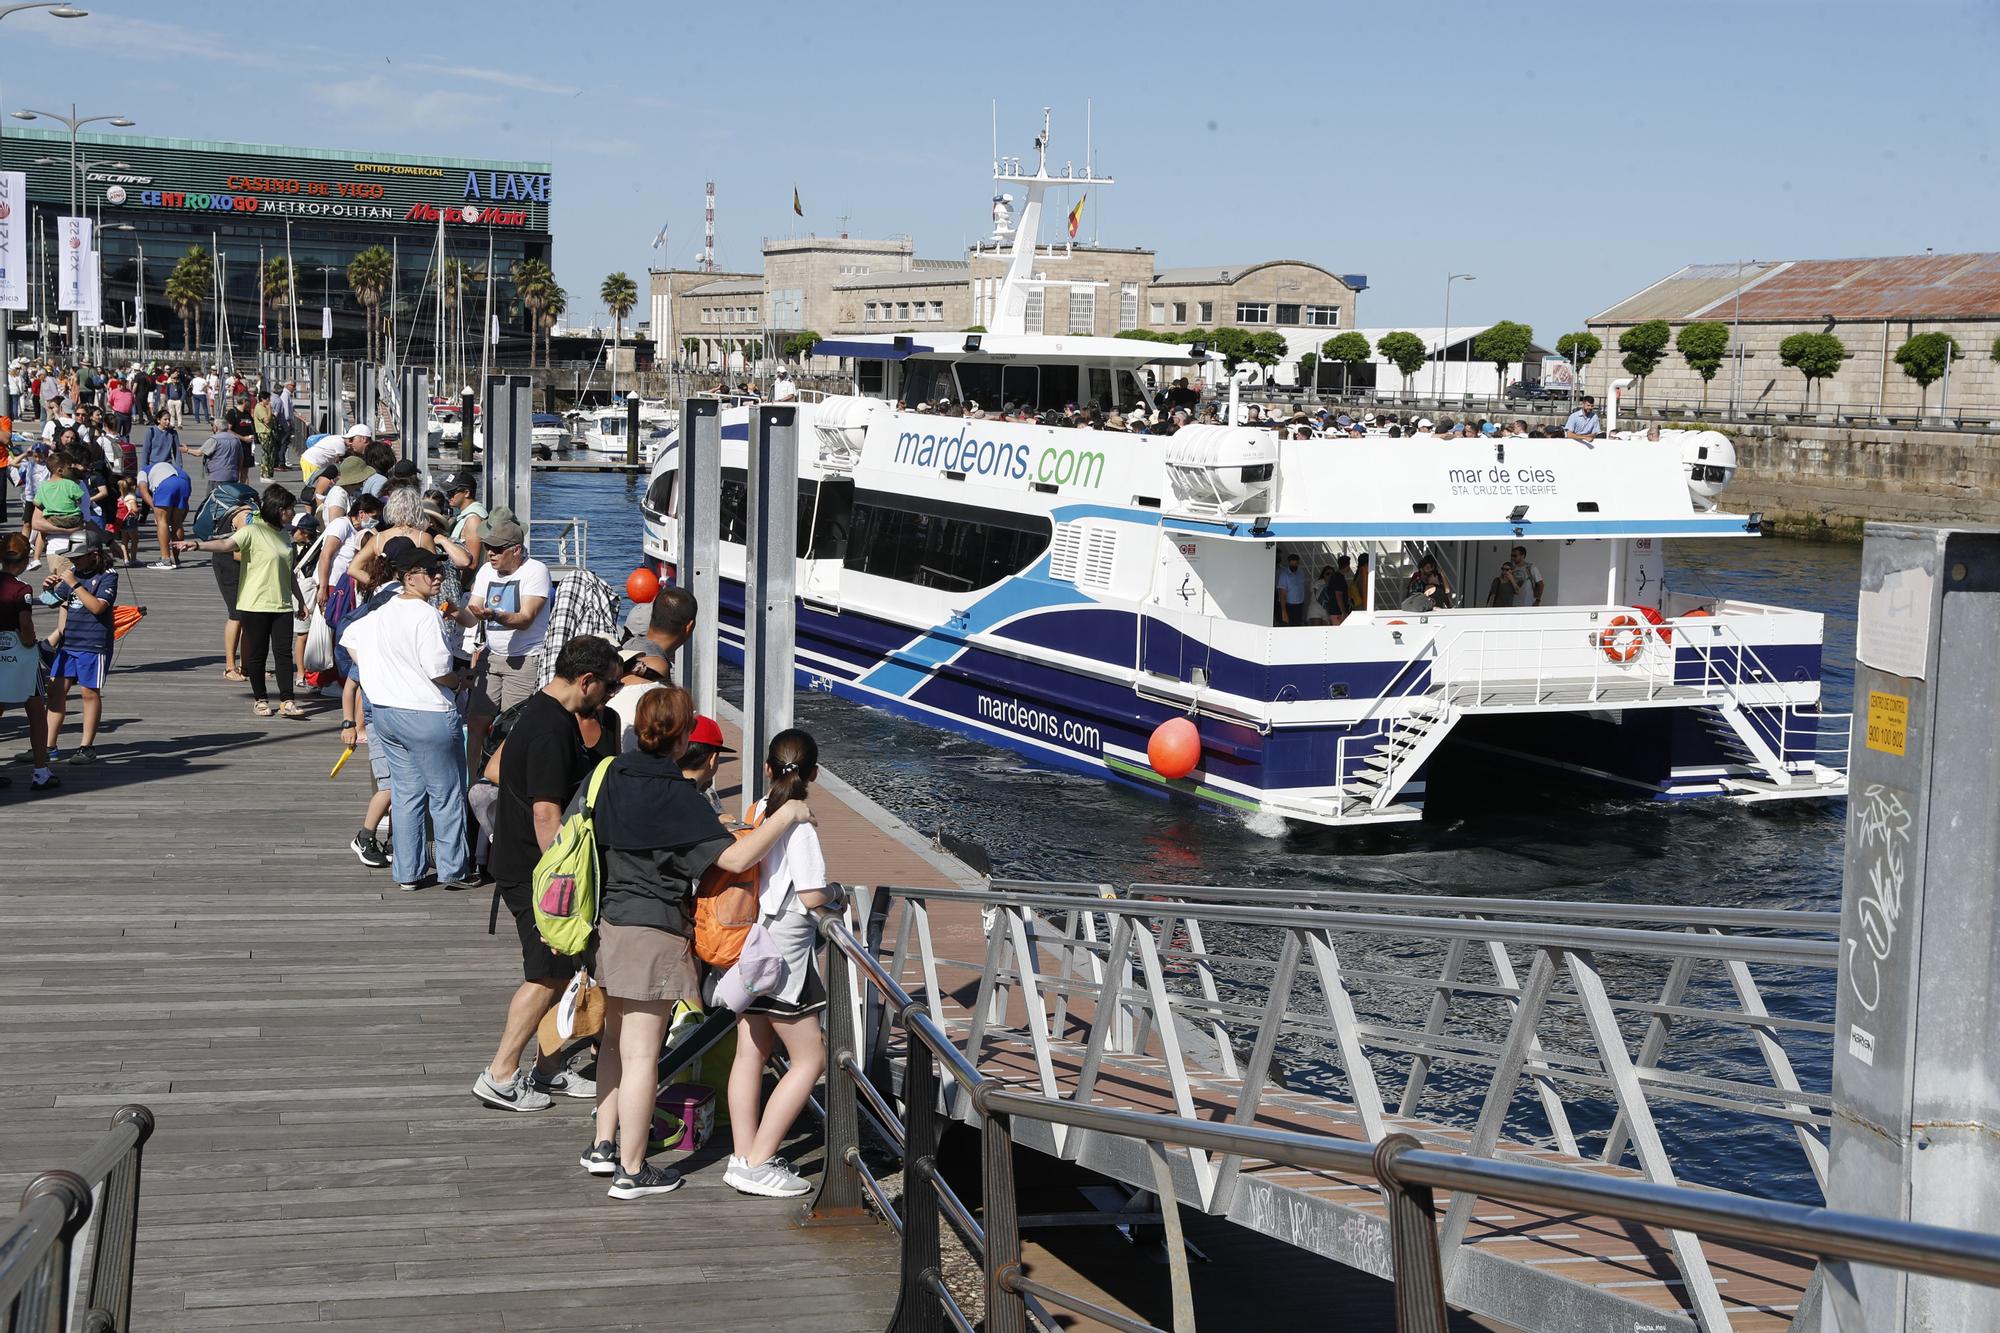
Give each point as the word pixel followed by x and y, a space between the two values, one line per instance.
pixel 657 835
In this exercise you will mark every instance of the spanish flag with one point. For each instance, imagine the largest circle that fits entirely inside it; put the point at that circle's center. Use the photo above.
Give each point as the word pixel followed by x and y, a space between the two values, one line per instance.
pixel 1076 216
pixel 797 207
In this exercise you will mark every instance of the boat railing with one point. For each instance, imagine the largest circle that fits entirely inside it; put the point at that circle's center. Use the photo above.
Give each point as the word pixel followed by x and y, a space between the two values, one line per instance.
pixel 563 542
pixel 1388 1015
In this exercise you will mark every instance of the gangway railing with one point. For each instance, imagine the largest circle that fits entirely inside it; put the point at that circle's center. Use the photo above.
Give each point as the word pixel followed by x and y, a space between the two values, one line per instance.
pixel 563 542
pixel 1407 1174
pixel 41 1250
pixel 1384 1007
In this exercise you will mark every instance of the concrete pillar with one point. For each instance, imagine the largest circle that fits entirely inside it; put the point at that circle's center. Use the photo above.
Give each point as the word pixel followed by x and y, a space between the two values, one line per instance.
pixel 769 609
pixel 335 396
pixel 1916 1054
pixel 413 413
pixel 509 477
pixel 698 550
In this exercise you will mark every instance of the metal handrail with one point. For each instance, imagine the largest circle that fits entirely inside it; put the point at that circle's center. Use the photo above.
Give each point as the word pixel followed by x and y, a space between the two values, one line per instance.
pixel 1407 1173
pixel 38 1249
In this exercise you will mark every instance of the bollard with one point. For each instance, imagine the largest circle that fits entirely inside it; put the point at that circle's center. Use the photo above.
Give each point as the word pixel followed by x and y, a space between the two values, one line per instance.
pixel 1916 1071
pixel 468 403
pixel 632 432
pixel 698 498
pixel 770 614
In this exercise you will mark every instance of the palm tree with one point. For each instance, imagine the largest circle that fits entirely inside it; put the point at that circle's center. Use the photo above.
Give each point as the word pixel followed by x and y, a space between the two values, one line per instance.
pixel 280 277
pixel 619 294
pixel 368 277
pixel 555 303
pixel 188 288
pixel 533 282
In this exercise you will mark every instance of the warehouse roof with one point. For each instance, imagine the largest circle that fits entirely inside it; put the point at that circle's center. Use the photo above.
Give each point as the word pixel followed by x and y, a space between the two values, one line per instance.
pixel 1810 290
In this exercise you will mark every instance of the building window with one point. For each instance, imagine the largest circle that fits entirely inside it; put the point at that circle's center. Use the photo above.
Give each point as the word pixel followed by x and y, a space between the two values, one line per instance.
pixel 1082 309
pixel 1253 312
pixel 937 311
pixel 1031 312
pixel 1323 316
pixel 1128 305
pixel 1180 312
pixel 1156 312
pixel 868 313
pixel 1207 315
pixel 903 311
pixel 1288 315
pixel 854 270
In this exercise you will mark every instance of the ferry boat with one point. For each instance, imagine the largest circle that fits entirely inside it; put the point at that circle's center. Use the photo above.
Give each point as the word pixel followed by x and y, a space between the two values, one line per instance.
pixel 1066 592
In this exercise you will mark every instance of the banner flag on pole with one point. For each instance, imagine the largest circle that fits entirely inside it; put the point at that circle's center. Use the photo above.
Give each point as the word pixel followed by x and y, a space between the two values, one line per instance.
pixel 797 207
pixel 73 258
pixel 493 333
pixel 13 240
pixel 90 314
pixel 326 323
pixel 1076 216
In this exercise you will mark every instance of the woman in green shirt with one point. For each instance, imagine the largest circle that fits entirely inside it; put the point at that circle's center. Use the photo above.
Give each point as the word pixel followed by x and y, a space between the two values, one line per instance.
pixel 266 596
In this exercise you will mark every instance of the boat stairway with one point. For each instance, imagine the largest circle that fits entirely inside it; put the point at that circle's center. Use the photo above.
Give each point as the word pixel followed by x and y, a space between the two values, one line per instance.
pixel 1770 778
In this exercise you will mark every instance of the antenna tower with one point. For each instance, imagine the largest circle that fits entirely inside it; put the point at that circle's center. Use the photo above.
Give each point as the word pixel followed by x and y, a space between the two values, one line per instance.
pixel 708 233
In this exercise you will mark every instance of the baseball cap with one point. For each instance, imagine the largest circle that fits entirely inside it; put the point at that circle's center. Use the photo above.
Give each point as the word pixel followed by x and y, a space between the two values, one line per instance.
pixel 1423 423
pixel 708 732
pixel 307 521
pixel 404 468
pixel 461 481
pixel 1489 429
pixel 360 431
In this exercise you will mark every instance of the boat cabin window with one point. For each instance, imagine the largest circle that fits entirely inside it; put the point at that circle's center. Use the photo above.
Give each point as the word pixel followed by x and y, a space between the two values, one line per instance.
pixel 936 544
pixel 927 381
pixel 871 379
pixel 823 516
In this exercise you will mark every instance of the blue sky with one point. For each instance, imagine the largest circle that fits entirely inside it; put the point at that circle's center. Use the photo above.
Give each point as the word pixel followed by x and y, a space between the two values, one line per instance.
pixel 1567 155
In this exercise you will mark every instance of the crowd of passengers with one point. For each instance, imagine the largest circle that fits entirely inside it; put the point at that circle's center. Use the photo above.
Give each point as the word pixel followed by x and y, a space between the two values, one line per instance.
pixel 1182 406
pixel 1342 588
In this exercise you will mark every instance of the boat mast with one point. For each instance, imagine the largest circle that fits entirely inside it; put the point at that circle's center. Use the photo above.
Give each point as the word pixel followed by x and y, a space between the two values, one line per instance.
pixel 1010 307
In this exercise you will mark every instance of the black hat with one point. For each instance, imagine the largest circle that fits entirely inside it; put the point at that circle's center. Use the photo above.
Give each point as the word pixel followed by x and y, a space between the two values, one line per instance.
pixel 404 555
pixel 461 481
pixel 405 467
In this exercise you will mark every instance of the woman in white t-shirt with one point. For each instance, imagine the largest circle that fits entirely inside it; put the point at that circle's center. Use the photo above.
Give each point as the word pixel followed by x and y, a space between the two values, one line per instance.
pixel 791 882
pixel 406 669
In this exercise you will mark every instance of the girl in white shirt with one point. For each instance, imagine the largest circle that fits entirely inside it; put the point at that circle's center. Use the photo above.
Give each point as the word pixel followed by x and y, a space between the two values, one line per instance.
pixel 791 882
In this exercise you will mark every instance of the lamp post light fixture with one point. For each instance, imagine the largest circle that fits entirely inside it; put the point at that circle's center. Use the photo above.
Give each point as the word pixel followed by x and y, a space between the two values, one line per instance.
pixel 74 122
pixel 1444 344
pixel 56 10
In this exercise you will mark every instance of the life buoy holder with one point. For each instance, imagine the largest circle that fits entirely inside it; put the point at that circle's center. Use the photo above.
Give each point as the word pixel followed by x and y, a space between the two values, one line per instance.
pixel 1622 639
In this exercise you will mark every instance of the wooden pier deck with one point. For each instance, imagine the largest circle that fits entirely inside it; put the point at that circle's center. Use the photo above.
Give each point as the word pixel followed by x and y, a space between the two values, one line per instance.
pixel 184 926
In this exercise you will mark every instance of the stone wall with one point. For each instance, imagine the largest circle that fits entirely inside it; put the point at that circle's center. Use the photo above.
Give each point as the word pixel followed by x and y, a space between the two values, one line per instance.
pixel 1825 481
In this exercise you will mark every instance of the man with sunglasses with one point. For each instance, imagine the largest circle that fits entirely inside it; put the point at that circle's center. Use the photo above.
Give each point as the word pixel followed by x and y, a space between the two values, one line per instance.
pixel 669 624
pixel 645 671
pixel 510 606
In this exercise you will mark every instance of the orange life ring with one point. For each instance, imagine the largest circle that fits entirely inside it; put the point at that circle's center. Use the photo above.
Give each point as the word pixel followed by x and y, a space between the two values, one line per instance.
pixel 1617 643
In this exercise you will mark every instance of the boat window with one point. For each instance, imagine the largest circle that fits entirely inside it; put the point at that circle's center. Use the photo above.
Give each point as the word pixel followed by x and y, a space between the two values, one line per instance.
pixel 871 379
pixel 1132 388
pixel 1022 385
pixel 660 493
pixel 1097 391
pixel 819 538
pixel 1058 388
pixel 934 544
pixel 927 381
pixel 980 382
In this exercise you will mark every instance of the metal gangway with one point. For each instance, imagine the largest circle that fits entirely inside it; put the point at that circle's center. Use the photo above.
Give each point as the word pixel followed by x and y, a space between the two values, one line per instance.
pixel 1325 1071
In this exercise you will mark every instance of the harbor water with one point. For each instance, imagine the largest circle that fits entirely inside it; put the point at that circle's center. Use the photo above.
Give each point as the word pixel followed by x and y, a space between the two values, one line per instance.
pixel 1490 831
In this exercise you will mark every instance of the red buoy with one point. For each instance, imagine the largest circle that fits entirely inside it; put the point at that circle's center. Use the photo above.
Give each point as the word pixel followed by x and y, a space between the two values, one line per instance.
pixel 642 585
pixel 1175 748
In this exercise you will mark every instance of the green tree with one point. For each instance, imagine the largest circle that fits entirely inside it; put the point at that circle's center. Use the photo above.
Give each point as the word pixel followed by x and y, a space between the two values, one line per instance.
pixel 555 304
pixel 1233 344
pixel 1579 348
pixel 1405 351
pixel 368 277
pixel 533 282
pixel 1996 349
pixel 1644 346
pixel 973 328
pixel 188 288
pixel 1505 344
pixel 1267 348
pixel 1349 349
pixel 1703 346
pixel 1924 357
pixel 690 347
pixel 280 278
pixel 799 346
pixel 1308 363
pixel 619 294
pixel 1817 356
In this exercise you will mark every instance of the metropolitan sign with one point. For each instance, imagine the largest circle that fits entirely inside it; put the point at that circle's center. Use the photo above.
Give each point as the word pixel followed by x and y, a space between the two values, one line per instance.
pixel 13 240
pixel 74 259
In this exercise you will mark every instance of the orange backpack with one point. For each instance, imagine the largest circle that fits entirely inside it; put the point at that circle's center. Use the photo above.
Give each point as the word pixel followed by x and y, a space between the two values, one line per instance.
pixel 725 907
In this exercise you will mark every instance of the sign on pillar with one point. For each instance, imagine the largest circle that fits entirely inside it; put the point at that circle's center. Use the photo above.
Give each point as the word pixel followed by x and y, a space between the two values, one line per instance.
pixel 699 551
pixel 1916 1062
pixel 770 629
pixel 509 468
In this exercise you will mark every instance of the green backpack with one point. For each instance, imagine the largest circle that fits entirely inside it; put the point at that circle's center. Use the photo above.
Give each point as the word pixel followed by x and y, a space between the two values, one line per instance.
pixel 565 884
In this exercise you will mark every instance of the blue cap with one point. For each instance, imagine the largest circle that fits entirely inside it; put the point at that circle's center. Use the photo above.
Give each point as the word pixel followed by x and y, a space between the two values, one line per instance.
pixel 1489 429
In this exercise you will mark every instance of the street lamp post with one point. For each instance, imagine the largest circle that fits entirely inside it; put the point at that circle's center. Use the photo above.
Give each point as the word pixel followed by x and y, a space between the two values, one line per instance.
pixel 56 10
pixel 1736 338
pixel 74 122
pixel 83 169
pixel 1444 345
pixel 102 345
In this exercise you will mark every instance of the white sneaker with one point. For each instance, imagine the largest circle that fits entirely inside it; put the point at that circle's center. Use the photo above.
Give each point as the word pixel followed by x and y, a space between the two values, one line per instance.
pixel 163 564
pixel 33 564
pixel 770 1181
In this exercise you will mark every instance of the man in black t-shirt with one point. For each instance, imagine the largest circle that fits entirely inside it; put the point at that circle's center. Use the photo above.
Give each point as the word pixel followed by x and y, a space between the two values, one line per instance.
pixel 541 766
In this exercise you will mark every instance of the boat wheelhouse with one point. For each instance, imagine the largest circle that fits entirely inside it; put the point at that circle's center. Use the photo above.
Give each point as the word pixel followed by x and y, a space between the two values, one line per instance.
pixel 969 559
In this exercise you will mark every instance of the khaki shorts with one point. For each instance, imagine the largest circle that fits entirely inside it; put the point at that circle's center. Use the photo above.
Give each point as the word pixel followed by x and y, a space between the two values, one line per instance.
pixel 642 963
pixel 502 682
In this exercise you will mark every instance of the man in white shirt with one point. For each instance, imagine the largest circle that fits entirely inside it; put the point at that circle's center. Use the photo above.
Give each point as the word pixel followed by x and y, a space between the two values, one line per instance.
pixel 198 391
pixel 1527 576
pixel 510 601
pixel 782 388
pixel 328 450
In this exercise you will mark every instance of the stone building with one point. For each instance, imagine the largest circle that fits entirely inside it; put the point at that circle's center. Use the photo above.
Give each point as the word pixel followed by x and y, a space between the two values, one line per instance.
pixel 842 284
pixel 1872 305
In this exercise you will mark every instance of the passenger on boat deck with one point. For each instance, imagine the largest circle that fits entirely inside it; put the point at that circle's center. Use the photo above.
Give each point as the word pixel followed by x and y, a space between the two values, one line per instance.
pixel 1527 577
pixel 1429 584
pixel 1583 424
pixel 1291 592
pixel 1518 431
pixel 1653 432
pixel 1357 587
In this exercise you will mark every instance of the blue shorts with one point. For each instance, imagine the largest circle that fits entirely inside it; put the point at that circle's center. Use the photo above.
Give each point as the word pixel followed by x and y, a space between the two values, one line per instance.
pixel 173 493
pixel 86 669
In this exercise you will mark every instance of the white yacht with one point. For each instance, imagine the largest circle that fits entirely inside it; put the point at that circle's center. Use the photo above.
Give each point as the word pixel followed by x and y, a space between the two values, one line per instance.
pixel 1065 592
pixel 602 430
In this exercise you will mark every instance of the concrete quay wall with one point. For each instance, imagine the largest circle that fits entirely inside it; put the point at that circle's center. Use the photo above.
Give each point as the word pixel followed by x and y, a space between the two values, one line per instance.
pixel 1826 481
